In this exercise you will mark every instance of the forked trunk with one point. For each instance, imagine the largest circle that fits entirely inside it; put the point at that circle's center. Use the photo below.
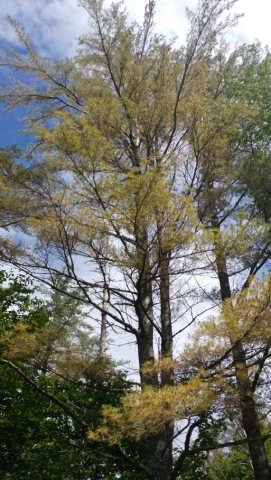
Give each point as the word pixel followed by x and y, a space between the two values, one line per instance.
pixel 159 447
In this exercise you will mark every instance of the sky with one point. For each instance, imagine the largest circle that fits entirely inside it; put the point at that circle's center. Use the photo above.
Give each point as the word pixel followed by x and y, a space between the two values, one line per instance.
pixel 53 26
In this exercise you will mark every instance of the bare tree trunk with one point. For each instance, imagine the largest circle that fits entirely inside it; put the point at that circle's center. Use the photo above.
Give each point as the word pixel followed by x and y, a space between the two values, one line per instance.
pixel 159 446
pixel 166 326
pixel 159 454
pixel 164 287
pixel 164 444
pixel 245 393
pixel 105 300
pixel 145 330
pixel 250 418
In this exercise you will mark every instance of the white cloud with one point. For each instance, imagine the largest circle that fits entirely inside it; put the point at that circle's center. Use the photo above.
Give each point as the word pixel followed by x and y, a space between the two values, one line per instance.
pixel 256 22
pixel 51 24
pixel 54 24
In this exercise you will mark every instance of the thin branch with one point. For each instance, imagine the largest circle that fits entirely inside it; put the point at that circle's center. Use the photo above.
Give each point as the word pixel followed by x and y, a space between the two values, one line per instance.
pixel 217 446
pixel 64 407
pixel 133 462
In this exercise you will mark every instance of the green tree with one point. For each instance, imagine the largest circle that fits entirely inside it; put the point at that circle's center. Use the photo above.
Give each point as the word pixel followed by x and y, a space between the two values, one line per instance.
pixel 17 304
pixel 37 438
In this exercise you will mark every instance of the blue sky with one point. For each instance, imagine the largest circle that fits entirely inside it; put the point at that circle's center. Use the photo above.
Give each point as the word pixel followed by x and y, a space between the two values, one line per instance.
pixel 53 26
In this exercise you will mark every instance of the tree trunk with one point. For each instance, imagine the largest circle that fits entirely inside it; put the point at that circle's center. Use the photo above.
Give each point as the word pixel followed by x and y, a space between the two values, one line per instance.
pixel 167 378
pixel 159 447
pixel 105 299
pixel 245 394
pixel 164 255
pixel 159 454
pixel 250 418
pixel 166 327
pixel 145 334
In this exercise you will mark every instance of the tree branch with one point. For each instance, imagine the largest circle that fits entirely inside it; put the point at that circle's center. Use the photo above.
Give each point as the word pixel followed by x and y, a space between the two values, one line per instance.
pixel 133 462
pixel 217 446
pixel 62 405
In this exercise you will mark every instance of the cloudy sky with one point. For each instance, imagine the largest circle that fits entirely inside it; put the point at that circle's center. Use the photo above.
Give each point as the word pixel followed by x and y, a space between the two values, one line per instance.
pixel 54 25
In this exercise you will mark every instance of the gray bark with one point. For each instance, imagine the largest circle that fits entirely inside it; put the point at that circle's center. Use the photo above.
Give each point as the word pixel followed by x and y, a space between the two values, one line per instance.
pixel 159 447
pixel 105 300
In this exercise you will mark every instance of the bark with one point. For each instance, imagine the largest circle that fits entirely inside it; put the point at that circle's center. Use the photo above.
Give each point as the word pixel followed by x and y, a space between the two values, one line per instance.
pixel 250 418
pixel 166 323
pixel 159 455
pixel 105 299
pixel 159 447
pixel 166 327
pixel 143 307
pixel 167 378
pixel 244 388
pixel 145 333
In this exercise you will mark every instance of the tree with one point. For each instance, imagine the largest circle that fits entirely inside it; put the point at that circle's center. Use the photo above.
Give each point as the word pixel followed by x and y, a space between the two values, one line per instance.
pixel 234 463
pixel 12 208
pixel 141 149
pixel 38 439
pixel 223 194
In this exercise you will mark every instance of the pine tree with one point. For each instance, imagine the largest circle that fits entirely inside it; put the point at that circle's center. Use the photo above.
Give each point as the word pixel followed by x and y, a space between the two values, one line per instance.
pixel 136 143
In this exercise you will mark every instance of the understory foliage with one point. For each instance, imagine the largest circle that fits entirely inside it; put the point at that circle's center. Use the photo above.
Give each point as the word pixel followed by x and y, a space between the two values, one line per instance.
pixel 38 440
pixel 138 203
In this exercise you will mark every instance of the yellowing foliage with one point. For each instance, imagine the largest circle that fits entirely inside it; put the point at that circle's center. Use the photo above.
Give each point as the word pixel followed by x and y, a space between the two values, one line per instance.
pixel 147 412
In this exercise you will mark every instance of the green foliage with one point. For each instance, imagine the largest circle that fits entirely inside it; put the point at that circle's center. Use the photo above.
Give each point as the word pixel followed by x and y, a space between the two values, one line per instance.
pixel 17 303
pixel 38 441
pixel 230 465
pixel 194 466
pixel 11 151
pixel 256 175
pixel 66 315
pixel 251 84
pixel 234 463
